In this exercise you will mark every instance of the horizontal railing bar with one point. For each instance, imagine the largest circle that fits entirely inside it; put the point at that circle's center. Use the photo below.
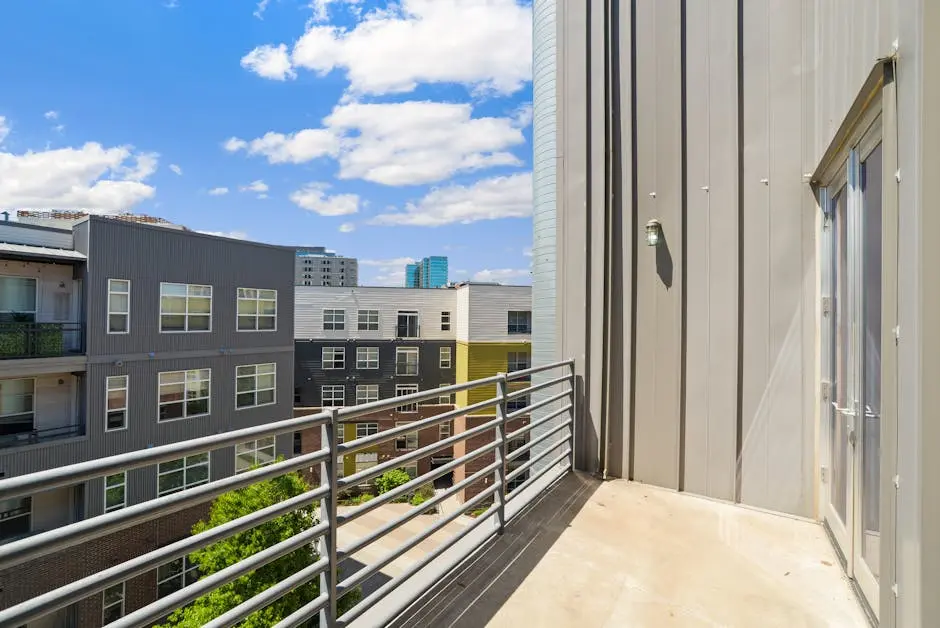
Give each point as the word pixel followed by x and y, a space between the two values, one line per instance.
pixel 305 612
pixel 382 437
pixel 74 473
pixel 532 461
pixel 367 571
pixel 373 472
pixel 532 443
pixel 531 389
pixel 525 429
pixel 351 412
pixel 534 478
pixel 85 530
pixel 538 369
pixel 370 601
pixel 144 617
pixel 416 511
pixel 80 589
pixel 271 594
pixel 540 404
pixel 415 483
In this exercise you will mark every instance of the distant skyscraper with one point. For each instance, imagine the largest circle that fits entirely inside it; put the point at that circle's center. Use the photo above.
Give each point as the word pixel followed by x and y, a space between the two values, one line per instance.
pixel 431 272
pixel 317 266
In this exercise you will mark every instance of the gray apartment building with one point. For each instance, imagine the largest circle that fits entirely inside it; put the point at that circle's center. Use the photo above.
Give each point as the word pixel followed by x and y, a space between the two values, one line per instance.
pixel 117 336
pixel 317 266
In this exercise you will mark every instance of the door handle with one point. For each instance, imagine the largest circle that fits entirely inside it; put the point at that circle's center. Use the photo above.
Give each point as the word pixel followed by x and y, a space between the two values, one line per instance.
pixel 845 411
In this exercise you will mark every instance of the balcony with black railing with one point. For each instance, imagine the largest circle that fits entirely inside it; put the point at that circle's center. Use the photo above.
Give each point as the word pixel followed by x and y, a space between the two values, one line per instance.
pixel 27 339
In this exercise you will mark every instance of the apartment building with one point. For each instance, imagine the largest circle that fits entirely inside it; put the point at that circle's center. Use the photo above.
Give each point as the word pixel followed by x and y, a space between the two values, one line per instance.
pixel 364 344
pixel 317 266
pixel 118 336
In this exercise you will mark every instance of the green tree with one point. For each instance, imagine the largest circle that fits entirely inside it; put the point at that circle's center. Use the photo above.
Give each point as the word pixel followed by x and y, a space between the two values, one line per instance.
pixel 216 557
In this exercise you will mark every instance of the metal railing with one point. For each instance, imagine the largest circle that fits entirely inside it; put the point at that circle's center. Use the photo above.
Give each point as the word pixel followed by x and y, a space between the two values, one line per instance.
pixel 555 435
pixel 40 340
pixel 34 436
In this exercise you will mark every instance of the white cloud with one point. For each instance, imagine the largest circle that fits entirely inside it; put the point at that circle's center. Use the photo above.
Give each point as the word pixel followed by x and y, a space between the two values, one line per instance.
pixel 527 251
pixel 313 197
pixel 260 9
pixel 270 62
pixel 51 115
pixel 488 199
pixel 502 275
pixel 347 227
pixel 176 169
pixel 218 191
pixel 258 186
pixel 483 44
pixel 294 148
pixel 523 115
pixel 58 128
pixel 237 235
pixel 91 177
pixel 395 261
pixel 390 272
pixel 4 128
pixel 234 144
pixel 321 8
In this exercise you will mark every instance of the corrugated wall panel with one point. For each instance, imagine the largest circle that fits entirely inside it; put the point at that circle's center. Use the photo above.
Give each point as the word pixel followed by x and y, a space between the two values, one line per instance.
pixel 490 307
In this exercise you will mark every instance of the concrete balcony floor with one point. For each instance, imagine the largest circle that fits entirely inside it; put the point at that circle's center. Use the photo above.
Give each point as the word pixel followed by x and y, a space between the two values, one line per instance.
pixel 619 554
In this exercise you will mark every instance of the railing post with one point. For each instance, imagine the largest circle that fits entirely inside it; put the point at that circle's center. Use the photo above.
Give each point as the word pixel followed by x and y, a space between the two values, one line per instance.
pixel 327 542
pixel 574 413
pixel 502 389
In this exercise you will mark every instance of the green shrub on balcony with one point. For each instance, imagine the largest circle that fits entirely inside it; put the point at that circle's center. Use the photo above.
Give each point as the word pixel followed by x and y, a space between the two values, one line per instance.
pixel 49 339
pixel 12 341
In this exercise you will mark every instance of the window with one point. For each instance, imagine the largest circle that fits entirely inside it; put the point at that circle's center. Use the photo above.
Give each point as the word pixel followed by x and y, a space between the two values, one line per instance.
pixel 366 393
pixel 406 389
pixel 411 470
pixel 112 604
pixel 516 482
pixel 116 418
pixel 119 306
pixel 517 361
pixel 406 441
pixel 334 320
pixel 334 358
pixel 445 430
pixel 517 403
pixel 520 322
pixel 367 357
pixel 18 297
pixel 176 475
pixel 366 461
pixel 445 357
pixel 298 444
pixel 445 321
pixel 333 396
pixel 15 517
pixel 176 575
pixel 445 399
pixel 368 320
pixel 185 307
pixel 16 405
pixel 366 429
pixel 184 394
pixel 115 491
pixel 257 309
pixel 254 453
pixel 255 385
pixel 406 360
pixel 407 324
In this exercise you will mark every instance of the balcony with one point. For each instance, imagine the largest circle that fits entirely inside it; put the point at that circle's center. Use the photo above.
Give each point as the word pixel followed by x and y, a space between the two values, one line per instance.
pixel 19 340
pixel 547 545
pixel 32 436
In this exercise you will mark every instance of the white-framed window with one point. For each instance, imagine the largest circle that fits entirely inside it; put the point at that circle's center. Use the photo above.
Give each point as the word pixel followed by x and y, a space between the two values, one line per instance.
pixel 445 399
pixel 366 393
pixel 16 405
pixel 445 321
pixel 520 322
pixel 254 453
pixel 119 306
pixel 182 473
pixel 411 469
pixel 112 603
pixel 176 575
pixel 518 361
pixel 366 429
pixel 255 385
pixel 406 360
pixel 334 320
pixel 184 394
pixel 406 441
pixel 366 460
pixel 446 357
pixel 16 516
pixel 444 430
pixel 115 491
pixel 367 357
pixel 185 308
pixel 407 326
pixel 333 395
pixel 368 320
pixel 333 358
pixel 19 297
pixel 116 401
pixel 517 403
pixel 257 309
pixel 406 389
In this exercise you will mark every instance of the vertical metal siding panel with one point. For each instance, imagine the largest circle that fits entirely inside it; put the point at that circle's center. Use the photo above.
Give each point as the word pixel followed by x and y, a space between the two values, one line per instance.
pixel 658 269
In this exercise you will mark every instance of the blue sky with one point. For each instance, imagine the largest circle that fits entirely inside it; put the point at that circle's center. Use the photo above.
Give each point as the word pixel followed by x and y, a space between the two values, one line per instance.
pixel 382 131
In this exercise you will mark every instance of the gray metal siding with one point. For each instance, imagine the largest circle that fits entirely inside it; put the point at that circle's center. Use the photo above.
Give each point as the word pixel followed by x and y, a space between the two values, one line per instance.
pixel 149 255
pixel 310 376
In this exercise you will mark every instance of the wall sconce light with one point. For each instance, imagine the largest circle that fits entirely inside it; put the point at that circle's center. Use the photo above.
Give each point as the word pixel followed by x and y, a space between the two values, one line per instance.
pixel 654 232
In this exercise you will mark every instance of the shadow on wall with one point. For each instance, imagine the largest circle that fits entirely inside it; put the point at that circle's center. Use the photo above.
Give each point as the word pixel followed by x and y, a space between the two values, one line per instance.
pixel 471 595
pixel 664 266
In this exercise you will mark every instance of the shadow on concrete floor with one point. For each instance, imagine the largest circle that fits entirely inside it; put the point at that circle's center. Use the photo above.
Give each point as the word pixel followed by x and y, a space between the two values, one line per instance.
pixel 471 595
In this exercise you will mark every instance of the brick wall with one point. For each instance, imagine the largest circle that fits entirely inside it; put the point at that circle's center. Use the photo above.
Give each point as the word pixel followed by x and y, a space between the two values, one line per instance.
pixel 472 444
